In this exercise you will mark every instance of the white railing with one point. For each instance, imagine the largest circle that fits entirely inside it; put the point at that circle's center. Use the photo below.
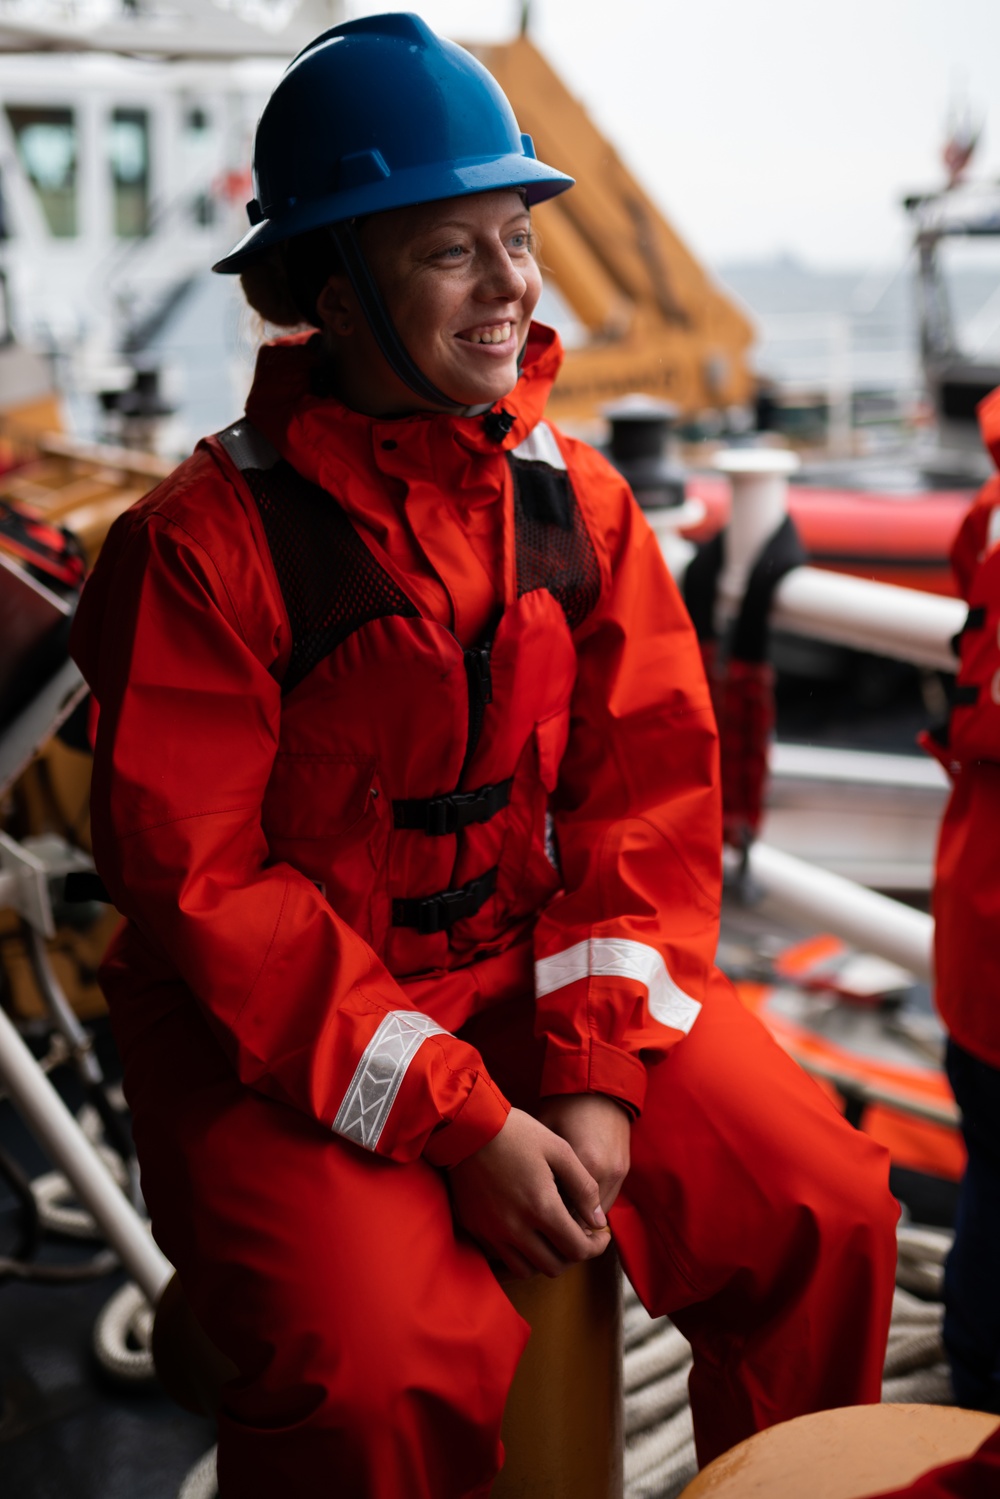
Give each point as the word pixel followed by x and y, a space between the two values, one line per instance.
pixel 863 917
pixel 869 616
pixel 63 1139
pixel 842 610
pixel 833 607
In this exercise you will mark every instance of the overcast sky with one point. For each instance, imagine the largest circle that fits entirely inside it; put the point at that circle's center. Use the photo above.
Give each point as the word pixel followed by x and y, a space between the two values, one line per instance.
pixel 768 126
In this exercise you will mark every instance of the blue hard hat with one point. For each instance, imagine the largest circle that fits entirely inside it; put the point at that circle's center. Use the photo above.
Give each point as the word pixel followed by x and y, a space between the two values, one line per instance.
pixel 380 113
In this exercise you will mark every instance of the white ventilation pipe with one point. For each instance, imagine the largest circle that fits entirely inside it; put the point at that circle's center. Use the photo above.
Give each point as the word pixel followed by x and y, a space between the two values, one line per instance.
pixel 759 479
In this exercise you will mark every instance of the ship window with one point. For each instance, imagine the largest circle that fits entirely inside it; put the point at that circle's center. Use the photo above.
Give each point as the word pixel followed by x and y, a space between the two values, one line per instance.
pixel 971 271
pixel 46 148
pixel 129 154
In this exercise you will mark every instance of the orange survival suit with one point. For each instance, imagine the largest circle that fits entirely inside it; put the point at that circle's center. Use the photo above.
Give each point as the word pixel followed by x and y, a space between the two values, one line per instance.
pixel 966 892
pixel 406 783
pixel 966 911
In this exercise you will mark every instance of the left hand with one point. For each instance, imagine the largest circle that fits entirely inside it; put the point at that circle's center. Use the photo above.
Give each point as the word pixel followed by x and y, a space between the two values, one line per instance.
pixel 599 1130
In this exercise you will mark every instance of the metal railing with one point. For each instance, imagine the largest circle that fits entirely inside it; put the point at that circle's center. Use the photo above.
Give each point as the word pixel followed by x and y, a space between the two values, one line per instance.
pixel 841 610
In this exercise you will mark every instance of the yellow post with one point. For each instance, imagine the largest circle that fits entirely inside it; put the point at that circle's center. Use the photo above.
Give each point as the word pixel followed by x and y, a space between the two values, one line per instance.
pixel 562 1428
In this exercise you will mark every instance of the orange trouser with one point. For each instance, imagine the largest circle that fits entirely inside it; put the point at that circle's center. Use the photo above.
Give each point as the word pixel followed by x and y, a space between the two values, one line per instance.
pixel 375 1346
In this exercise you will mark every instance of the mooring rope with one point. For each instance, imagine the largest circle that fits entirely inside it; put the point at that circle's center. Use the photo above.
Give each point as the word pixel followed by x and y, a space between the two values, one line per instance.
pixel 659 1439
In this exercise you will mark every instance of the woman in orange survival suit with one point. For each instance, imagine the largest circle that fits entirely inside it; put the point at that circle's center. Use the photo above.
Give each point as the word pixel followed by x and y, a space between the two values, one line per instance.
pixel 406 785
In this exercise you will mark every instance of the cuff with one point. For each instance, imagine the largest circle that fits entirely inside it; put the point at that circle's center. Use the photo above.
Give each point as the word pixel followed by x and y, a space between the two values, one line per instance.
pixel 481 1117
pixel 599 1068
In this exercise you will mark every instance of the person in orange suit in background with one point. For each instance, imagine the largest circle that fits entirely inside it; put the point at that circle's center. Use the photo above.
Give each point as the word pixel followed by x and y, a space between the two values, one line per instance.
pixel 966 906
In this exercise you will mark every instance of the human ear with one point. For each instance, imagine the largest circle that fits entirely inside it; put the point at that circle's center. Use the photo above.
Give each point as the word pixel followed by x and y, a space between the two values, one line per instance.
pixel 336 307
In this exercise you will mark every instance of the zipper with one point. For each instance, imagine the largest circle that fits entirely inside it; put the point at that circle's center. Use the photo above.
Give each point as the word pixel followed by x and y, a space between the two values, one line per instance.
pixel 480 680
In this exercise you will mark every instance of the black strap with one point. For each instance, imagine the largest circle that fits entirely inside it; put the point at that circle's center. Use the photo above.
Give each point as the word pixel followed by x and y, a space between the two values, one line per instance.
pixel 438 815
pixel 435 913
pixel 974 620
pixel 701 581
pixel 344 236
pixel 782 552
pixel 965 694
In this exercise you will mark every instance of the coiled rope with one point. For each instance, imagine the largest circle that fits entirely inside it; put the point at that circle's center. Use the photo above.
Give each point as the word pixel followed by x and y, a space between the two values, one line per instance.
pixel 201 1482
pixel 659 1439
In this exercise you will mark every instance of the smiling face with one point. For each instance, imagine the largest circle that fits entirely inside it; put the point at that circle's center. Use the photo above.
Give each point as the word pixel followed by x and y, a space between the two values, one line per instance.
pixel 460 283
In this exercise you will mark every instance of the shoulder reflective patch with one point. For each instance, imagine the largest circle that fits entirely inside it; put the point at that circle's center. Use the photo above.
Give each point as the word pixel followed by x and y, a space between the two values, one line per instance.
pixel 540 447
pixel 247 447
pixel 372 1093
pixel 620 957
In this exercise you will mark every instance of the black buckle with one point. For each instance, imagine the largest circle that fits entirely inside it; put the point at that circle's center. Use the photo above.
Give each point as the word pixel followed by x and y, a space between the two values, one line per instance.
pixel 438 815
pixel 435 913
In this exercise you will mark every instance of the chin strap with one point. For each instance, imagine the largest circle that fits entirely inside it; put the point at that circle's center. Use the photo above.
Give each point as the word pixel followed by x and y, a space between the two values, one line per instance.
pixel 395 352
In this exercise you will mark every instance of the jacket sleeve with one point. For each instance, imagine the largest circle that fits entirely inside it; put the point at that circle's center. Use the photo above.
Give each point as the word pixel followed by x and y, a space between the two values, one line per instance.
pixel 187 733
pixel 624 954
pixel 979 531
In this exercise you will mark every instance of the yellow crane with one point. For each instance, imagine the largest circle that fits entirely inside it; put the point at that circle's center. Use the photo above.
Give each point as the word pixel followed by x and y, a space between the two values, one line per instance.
pixel 655 320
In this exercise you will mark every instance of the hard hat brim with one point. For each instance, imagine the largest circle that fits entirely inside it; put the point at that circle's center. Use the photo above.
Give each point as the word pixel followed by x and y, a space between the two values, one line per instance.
pixel 402 190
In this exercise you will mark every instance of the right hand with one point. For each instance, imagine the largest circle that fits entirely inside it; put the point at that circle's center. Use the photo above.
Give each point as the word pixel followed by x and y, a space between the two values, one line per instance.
pixel 529 1201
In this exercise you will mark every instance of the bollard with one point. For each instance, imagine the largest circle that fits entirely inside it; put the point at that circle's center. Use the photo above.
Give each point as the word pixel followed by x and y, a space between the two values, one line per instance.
pixel 759 479
pixel 640 449
pixel 562 1428
pixel 843 1454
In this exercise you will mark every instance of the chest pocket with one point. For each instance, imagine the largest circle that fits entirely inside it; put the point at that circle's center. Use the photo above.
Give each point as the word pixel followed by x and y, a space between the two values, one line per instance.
pixel 333 586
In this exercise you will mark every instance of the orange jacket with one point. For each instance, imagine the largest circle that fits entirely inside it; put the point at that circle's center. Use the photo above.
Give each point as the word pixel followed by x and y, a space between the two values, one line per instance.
pixel 284 684
pixel 967 879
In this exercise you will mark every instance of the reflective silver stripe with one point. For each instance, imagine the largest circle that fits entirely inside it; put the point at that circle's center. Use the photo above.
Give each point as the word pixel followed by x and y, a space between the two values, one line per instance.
pixel 540 447
pixel 247 447
pixel 620 957
pixel 365 1108
pixel 993 528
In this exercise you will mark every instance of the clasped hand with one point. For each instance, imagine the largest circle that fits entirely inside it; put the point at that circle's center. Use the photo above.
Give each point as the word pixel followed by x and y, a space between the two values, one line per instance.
pixel 536 1197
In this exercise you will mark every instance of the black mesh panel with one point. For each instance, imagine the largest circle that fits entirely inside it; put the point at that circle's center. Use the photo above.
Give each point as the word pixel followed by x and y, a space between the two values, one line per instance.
pixel 329 580
pixel 554 550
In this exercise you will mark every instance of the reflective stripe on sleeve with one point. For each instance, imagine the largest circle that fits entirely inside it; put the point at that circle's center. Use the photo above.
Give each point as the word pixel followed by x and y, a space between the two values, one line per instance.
pixel 620 957
pixel 376 1081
